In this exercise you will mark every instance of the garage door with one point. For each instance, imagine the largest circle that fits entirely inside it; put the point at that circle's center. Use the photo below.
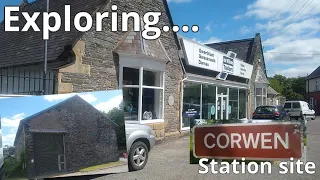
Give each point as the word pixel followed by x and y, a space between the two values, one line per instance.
pixel 47 149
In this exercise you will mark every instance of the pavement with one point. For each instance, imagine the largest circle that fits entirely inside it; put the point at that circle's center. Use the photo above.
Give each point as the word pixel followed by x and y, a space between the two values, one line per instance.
pixel 170 160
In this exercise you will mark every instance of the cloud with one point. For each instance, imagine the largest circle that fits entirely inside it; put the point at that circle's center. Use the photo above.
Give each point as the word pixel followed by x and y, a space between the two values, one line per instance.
pixel 244 30
pixel 13 121
pixel 211 40
pixel 87 97
pixel 109 105
pixel 12 124
pixel 289 34
pixel 208 27
pixel 8 139
pixel 178 1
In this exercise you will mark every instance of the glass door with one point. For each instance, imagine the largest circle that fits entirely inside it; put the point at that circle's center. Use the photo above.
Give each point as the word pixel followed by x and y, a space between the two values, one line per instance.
pixel 222 107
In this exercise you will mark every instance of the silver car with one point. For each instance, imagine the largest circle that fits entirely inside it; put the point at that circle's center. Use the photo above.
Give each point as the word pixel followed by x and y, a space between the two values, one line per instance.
pixel 140 140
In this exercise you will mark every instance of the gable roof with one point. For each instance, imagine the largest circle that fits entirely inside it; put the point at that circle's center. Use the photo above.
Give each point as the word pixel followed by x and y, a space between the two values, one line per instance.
pixel 314 74
pixel 69 100
pixel 271 91
pixel 242 47
pixel 21 48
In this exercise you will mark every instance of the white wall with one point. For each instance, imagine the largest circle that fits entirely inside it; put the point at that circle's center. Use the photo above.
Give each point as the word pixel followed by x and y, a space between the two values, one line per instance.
pixel 312 85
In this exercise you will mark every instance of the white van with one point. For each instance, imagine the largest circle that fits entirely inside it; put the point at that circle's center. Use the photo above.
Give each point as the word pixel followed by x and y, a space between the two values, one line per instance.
pixel 299 109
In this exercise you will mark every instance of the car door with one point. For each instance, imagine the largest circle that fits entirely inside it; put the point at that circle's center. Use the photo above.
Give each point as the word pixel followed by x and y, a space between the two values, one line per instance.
pixel 288 107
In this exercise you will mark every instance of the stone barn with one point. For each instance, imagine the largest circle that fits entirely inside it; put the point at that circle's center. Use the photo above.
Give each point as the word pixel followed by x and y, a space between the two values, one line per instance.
pixel 66 137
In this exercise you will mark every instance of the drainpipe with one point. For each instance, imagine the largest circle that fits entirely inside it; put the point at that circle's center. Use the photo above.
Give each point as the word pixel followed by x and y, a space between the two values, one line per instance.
pixel 45 59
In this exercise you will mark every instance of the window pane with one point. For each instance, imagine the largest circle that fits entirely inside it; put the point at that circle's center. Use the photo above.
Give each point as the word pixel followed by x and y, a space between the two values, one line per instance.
pixel 287 105
pixel 233 103
pixel 259 101
pixel 131 103
pixel 242 103
pixel 208 102
pixel 130 76
pixel 295 105
pixel 152 104
pixel 222 90
pixel 258 91
pixel 151 78
pixel 191 104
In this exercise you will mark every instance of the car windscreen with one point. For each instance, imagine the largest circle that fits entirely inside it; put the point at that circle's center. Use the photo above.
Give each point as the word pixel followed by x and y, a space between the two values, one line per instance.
pixel 265 110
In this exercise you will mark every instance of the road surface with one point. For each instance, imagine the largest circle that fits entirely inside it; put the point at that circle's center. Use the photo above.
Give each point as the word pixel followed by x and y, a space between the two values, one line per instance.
pixel 170 160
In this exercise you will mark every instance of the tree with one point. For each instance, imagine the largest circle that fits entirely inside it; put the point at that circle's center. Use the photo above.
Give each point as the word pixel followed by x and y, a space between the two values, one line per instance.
pixel 117 116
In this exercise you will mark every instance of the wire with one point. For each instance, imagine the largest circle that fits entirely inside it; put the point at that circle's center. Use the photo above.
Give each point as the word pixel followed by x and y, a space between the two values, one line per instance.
pixel 290 21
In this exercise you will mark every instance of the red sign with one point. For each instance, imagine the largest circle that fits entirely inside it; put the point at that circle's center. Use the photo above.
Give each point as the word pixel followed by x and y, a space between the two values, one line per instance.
pixel 267 141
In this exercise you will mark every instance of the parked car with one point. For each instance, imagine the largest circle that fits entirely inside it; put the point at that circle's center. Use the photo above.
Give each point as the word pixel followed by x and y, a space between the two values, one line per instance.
pixel 299 109
pixel 273 112
pixel 139 140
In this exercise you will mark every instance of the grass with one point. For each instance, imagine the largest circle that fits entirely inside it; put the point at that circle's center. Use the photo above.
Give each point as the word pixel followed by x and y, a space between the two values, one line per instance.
pixel 305 141
pixel 101 166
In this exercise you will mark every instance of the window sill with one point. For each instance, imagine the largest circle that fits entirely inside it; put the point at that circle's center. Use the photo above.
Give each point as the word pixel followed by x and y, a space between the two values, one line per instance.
pixel 146 121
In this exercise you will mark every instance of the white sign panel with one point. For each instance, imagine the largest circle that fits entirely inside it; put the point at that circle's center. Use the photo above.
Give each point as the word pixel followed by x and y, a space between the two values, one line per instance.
pixel 201 56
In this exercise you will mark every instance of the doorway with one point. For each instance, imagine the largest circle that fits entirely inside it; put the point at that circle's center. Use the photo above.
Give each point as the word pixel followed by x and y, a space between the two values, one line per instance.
pixel 222 104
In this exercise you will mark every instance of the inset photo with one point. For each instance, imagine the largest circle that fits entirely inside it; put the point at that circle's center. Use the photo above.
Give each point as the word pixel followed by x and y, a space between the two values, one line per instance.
pixel 63 135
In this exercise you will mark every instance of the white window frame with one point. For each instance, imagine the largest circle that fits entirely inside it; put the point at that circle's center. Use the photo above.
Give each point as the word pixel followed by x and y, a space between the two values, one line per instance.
pixel 143 64
pixel 263 96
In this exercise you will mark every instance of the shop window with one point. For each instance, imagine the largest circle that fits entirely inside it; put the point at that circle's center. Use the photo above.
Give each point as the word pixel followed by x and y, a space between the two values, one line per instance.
pixel 233 103
pixel 208 102
pixel 242 104
pixel 191 104
pixel 142 94
pixel 222 90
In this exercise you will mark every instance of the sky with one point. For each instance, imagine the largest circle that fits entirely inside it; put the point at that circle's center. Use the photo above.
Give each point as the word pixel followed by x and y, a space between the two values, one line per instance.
pixel 13 110
pixel 289 28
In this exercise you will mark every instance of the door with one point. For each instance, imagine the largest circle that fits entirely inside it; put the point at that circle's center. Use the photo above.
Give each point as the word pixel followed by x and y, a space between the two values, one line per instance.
pixel 48 151
pixel 222 105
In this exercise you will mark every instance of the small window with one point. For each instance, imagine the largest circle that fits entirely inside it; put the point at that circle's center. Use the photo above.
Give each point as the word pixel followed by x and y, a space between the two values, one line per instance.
pixel 296 105
pixel 316 85
pixel 287 105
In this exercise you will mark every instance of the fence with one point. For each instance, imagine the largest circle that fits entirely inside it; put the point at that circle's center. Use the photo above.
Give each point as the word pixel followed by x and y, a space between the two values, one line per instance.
pixel 26 80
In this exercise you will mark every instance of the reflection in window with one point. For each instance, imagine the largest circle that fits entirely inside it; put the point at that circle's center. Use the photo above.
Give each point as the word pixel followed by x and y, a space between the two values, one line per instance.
pixel 151 101
pixel 208 102
pixel 151 78
pixel 131 103
pixel 222 90
pixel 191 103
pixel 242 103
pixel 130 76
pixel 151 104
pixel 233 103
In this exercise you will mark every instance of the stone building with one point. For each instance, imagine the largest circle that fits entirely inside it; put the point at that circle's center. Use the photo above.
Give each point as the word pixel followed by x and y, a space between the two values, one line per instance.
pixel 225 80
pixel 148 71
pixel 66 137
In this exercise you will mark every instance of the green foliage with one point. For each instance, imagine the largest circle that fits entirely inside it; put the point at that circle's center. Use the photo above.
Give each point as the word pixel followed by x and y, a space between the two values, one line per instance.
pixel 13 168
pixel 291 88
pixel 117 116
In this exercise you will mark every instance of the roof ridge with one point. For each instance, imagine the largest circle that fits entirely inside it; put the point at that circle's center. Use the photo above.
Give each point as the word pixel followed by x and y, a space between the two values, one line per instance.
pixel 231 41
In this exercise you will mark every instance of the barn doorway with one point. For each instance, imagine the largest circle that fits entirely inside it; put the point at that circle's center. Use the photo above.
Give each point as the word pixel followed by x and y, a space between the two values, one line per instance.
pixel 49 153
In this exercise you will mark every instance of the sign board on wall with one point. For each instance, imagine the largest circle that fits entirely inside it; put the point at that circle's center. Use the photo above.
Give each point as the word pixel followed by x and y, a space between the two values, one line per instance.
pixel 264 141
pixel 202 56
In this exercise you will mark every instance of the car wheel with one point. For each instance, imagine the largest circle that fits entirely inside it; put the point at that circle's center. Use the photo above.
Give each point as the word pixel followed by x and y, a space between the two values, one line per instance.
pixel 138 156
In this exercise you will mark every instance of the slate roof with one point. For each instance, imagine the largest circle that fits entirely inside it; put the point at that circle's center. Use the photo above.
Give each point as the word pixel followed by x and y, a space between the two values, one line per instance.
pixel 28 47
pixel 314 74
pixel 71 99
pixel 271 91
pixel 21 48
pixel 243 48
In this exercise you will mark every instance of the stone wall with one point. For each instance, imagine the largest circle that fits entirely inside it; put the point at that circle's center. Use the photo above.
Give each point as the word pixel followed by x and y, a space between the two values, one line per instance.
pixel 89 139
pixel 96 66
pixel 256 55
